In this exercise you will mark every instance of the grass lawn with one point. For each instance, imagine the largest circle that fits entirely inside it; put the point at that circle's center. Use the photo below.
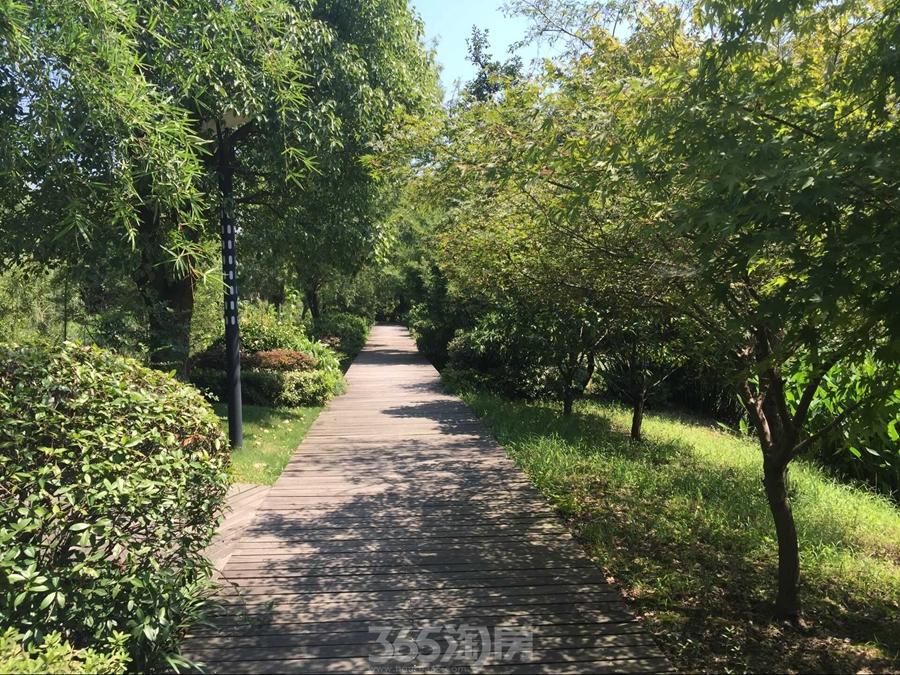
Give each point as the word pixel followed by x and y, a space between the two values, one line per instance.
pixel 270 438
pixel 680 522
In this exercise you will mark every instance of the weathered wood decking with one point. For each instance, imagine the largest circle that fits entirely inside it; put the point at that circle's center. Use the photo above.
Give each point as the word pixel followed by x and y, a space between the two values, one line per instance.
pixel 399 510
pixel 243 500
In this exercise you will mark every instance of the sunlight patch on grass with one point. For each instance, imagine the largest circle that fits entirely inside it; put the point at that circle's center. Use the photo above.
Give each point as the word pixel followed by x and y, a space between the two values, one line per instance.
pixel 270 437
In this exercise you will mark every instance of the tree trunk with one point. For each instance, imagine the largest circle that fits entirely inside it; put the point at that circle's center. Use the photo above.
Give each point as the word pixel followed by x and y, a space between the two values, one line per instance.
pixel 568 401
pixel 778 435
pixel 637 418
pixel 568 371
pixel 279 296
pixel 775 481
pixel 66 306
pixel 169 299
pixel 170 322
pixel 312 301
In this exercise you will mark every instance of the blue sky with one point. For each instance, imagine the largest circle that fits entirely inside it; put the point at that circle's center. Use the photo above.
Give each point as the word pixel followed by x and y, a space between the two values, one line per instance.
pixel 451 21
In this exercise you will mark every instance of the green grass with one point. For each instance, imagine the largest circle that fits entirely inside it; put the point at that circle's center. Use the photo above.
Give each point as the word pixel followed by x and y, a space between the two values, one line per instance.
pixel 270 438
pixel 681 523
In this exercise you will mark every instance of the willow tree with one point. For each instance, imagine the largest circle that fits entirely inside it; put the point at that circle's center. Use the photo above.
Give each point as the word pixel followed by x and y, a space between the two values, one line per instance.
pixel 85 132
pixel 240 71
pixel 123 117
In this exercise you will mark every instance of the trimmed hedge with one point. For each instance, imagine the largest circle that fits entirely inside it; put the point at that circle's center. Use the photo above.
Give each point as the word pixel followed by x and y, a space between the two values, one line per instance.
pixel 273 388
pixel 114 476
pixel 274 359
pixel 280 366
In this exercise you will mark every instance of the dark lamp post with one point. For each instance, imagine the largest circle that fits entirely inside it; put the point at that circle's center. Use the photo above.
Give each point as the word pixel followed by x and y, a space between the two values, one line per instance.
pixel 229 275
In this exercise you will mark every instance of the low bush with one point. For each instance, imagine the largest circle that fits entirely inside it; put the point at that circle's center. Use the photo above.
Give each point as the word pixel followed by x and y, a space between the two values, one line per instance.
pixel 274 388
pixel 273 359
pixel 262 330
pixel 309 387
pixel 280 366
pixel 348 330
pixel 431 334
pixel 282 359
pixel 114 476
pixel 491 356
pixel 55 655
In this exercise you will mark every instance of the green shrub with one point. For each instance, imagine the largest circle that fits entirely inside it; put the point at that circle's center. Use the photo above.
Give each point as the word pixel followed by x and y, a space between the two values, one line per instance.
pixel 114 476
pixel 55 655
pixel 262 387
pixel 280 366
pixel 309 387
pixel 867 447
pixel 274 359
pixel 432 335
pixel 350 331
pixel 262 329
pixel 211 382
pixel 274 388
pixel 495 356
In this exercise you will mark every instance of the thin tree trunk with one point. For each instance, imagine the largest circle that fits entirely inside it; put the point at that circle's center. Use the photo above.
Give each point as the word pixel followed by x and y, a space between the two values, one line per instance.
pixel 778 435
pixel 637 418
pixel 169 300
pixel 66 307
pixel 312 301
pixel 787 600
pixel 568 401
pixel 569 370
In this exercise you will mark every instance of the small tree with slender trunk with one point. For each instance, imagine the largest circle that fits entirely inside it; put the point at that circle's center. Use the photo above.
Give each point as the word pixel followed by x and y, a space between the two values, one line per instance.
pixel 776 194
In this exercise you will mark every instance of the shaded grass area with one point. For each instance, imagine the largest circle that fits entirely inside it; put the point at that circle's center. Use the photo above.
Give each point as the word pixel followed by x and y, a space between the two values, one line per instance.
pixel 270 437
pixel 681 523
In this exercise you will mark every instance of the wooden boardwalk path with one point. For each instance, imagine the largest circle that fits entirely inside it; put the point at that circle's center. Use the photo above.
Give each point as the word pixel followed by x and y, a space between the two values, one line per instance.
pixel 398 510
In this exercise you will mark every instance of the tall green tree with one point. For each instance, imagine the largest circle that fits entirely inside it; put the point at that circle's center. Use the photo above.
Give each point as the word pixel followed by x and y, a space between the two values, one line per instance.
pixel 85 132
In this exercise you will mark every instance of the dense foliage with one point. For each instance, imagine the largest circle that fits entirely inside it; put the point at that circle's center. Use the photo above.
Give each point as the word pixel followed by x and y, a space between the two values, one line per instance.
pixel 346 331
pixel 55 655
pixel 114 477
pixel 129 126
pixel 130 130
pixel 690 206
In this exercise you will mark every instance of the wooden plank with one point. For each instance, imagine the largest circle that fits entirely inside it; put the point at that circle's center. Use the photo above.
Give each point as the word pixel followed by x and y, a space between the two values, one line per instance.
pixel 254 617
pixel 399 509
pixel 365 582
pixel 587 648
pixel 545 636
pixel 566 662
pixel 603 621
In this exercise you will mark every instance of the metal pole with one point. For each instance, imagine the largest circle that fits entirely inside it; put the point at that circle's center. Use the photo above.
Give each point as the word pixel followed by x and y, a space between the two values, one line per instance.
pixel 229 267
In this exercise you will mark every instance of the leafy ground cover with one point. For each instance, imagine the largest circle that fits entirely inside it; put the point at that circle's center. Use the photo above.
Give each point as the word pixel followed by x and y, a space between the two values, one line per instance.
pixel 270 438
pixel 680 522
